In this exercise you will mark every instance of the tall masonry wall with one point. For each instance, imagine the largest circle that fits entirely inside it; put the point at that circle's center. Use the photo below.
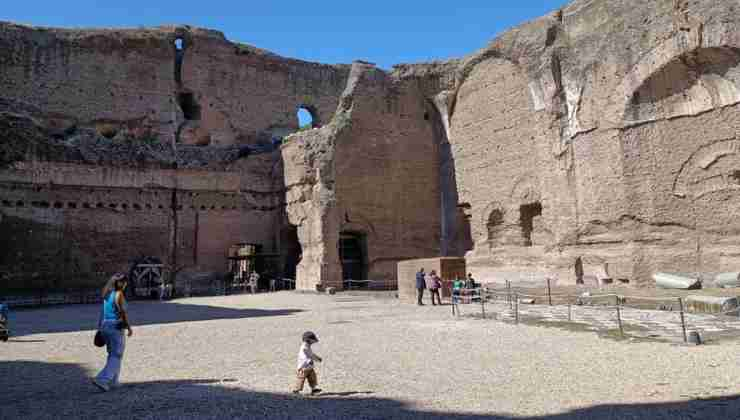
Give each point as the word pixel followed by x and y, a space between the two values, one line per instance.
pixel 586 151
pixel 156 142
pixel 599 141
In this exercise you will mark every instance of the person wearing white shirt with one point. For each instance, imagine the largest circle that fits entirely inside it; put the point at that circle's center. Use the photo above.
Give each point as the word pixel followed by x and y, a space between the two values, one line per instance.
pixel 254 278
pixel 306 359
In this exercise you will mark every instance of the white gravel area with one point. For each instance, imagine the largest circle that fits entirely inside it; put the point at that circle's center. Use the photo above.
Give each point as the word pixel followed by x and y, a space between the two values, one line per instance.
pixel 234 356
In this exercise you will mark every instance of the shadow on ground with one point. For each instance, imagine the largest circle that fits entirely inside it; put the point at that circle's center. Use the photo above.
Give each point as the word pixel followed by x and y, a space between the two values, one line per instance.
pixel 71 318
pixel 36 390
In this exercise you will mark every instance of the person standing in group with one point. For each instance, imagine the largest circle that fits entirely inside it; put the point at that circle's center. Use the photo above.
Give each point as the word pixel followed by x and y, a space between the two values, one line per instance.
pixel 434 283
pixel 457 287
pixel 254 279
pixel 306 359
pixel 470 282
pixel 113 320
pixel 420 286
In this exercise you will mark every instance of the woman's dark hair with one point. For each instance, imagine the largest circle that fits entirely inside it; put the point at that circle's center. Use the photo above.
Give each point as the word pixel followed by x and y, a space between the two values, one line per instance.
pixel 119 282
pixel 116 283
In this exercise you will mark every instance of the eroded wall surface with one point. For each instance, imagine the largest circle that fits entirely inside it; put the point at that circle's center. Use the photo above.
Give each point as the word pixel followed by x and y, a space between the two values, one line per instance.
pixel 599 141
pixel 156 142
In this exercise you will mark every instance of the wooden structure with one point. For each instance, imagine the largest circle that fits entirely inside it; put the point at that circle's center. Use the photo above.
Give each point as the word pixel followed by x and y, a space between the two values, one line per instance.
pixel 148 280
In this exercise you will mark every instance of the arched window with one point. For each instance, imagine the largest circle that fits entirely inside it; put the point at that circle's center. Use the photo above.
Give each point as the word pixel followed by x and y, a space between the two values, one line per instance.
pixel 306 118
pixel 495 221
pixel 528 213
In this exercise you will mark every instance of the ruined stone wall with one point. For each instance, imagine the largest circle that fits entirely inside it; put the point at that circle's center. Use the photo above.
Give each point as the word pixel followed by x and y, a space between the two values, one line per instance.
pixel 599 141
pixel 620 121
pixel 246 95
pixel 387 173
pixel 66 225
pixel 212 91
pixel 374 172
pixel 99 128
pixel 96 77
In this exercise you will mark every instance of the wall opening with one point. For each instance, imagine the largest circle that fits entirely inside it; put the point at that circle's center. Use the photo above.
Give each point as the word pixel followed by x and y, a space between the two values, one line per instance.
pixel 527 213
pixel 306 118
pixel 353 255
pixel 735 177
pixel 494 225
pixel 189 106
pixel 291 252
pixel 579 270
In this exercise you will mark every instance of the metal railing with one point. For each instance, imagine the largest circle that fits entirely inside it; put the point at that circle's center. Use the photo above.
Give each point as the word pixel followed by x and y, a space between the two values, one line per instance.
pixel 510 302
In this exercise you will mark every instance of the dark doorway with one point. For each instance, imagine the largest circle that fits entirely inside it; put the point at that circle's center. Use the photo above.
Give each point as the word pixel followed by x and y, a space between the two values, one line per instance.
pixel 579 270
pixel 495 223
pixel 291 251
pixel 189 106
pixel 527 214
pixel 352 253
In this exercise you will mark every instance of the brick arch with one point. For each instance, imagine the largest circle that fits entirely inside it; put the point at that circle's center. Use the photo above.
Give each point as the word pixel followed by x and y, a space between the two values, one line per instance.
pixel 706 65
pixel 526 190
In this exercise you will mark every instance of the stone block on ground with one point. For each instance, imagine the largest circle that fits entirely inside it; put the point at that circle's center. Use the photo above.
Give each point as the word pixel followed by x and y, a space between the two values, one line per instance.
pixel 673 281
pixel 711 304
pixel 727 279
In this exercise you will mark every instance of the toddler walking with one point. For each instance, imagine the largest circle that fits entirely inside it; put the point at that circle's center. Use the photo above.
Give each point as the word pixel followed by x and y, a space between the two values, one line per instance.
pixel 306 370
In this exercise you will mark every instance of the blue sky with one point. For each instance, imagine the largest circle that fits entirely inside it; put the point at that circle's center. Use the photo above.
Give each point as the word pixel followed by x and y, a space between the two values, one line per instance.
pixel 384 32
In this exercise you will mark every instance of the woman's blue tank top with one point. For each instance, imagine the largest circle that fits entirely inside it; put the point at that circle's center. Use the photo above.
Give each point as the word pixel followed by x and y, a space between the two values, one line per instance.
pixel 110 312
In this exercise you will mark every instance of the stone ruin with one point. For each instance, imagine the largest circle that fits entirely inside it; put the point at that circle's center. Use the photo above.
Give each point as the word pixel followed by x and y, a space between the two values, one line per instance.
pixel 602 140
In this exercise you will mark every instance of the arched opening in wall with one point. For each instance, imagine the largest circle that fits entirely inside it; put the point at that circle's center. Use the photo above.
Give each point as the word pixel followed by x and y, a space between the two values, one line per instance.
pixel 527 214
pixel 306 118
pixel 291 253
pixel 353 256
pixel 700 80
pixel 189 106
pixel 494 226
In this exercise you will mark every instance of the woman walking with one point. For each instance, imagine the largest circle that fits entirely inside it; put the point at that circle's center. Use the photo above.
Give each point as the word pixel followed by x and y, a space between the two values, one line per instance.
pixel 434 283
pixel 113 320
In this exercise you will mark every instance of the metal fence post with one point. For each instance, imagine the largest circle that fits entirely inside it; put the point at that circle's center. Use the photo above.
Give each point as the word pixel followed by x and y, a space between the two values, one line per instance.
pixel 516 308
pixel 482 302
pixel 683 320
pixel 549 292
pixel 619 320
pixel 508 296
pixel 570 318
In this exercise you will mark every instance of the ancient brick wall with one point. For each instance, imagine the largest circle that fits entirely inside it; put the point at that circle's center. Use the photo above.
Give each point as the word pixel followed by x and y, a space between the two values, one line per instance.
pixel 387 174
pixel 211 90
pixel 146 91
pixel 245 94
pixel 67 225
pixel 598 141
pixel 626 139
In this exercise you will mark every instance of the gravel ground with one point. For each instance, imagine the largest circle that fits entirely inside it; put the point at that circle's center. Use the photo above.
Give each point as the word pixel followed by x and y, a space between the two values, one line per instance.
pixel 234 356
